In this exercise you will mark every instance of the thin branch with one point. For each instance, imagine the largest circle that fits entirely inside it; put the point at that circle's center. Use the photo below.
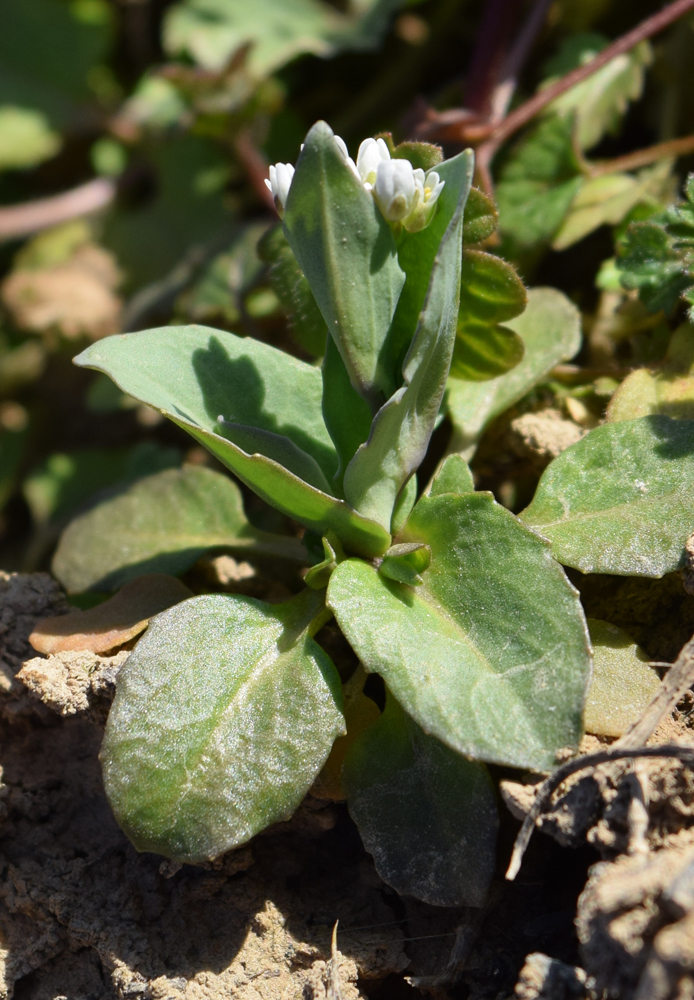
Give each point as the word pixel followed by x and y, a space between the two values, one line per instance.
pixel 615 753
pixel 527 111
pixel 676 683
pixel 516 59
pixel 489 54
pixel 255 165
pixel 642 157
pixel 33 216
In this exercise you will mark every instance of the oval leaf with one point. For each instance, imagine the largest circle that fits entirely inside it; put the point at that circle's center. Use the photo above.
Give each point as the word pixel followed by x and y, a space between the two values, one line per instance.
pixel 427 815
pixel 491 653
pixel 623 684
pixel 211 740
pixel 620 500
pixel 194 375
pixel 161 524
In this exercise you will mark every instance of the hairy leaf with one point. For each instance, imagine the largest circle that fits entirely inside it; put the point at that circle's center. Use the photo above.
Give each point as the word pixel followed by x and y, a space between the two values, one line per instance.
pixel 454 476
pixel 347 251
pixel 550 329
pixel 209 741
pixel 623 684
pixel 194 375
pixel 160 524
pixel 211 31
pixel 481 217
pixel 428 815
pixel 402 428
pixel 490 294
pixel 620 500
pixel 668 390
pixel 491 653
pixel 292 289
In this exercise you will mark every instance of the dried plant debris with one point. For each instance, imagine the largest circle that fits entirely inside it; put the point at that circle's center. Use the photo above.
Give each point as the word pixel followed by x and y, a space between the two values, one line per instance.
pixel 545 978
pixel 114 622
pixel 25 598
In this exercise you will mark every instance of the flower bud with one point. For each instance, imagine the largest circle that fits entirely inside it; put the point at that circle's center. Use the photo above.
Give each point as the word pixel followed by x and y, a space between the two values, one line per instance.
pixel 395 189
pixel 429 188
pixel 342 149
pixel 279 182
pixel 371 153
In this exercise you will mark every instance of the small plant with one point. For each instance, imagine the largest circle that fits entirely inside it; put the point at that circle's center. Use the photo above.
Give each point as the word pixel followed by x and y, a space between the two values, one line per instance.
pixel 228 710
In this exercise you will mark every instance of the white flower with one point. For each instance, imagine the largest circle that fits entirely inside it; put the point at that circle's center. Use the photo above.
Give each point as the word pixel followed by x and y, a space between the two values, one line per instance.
pixel 371 153
pixel 395 189
pixel 344 152
pixel 279 182
pixel 429 187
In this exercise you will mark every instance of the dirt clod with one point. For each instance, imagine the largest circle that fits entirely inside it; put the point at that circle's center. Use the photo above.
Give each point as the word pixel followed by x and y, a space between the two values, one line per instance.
pixel 74 682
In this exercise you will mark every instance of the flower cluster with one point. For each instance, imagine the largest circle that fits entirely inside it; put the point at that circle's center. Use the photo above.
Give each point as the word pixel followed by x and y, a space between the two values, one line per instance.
pixel 406 196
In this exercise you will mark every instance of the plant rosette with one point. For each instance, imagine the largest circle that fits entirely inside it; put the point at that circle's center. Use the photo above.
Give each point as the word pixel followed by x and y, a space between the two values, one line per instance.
pixel 228 709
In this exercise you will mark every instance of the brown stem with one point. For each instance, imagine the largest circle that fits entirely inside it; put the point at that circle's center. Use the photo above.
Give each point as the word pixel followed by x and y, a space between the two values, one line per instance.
pixel 255 166
pixel 676 683
pixel 489 54
pixel 32 216
pixel 615 753
pixel 642 157
pixel 527 111
pixel 510 71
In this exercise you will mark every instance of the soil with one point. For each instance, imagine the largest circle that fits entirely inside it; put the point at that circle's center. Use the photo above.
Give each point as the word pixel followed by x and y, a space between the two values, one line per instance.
pixel 604 906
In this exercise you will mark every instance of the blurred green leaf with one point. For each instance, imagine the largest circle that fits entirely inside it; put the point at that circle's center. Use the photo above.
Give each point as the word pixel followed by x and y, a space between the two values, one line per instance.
pixel 550 329
pixel 608 200
pixel 490 294
pixel 668 390
pixel 620 500
pixel 481 217
pixel 623 684
pixel 64 482
pixel 427 815
pixel 149 240
pixel 198 760
pixel 48 49
pixel 161 523
pixel 538 183
pixel 597 105
pixel 212 31
pixel 26 138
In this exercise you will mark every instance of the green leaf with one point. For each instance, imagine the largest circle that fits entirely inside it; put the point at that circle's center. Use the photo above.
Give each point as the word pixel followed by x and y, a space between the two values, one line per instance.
pixel 598 104
pixel 347 415
pixel 490 293
pixel 48 53
pixel 538 184
pixel 402 428
pixel 210 741
pixel 427 815
pixel 292 289
pixel 194 374
pixel 550 329
pixel 347 251
pixel 481 217
pixel 64 482
pixel 623 684
pixel 160 524
pixel 26 138
pixel 608 200
pixel 669 390
pixel 211 31
pixel 405 562
pixel 454 476
pixel 620 500
pixel 417 253
pixel 491 653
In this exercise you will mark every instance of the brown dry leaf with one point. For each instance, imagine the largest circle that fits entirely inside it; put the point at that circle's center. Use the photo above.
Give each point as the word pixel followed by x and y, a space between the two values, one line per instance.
pixel 76 296
pixel 112 623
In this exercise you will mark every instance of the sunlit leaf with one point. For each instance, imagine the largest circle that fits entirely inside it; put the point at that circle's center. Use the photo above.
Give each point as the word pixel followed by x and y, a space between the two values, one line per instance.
pixel 26 138
pixel 209 741
pixel 490 654
pixel 622 685
pixel 620 500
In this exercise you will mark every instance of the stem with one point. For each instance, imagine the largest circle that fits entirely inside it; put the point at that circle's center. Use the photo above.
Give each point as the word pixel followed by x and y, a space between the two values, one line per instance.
pixel 642 157
pixel 32 216
pixel 685 754
pixel 527 111
pixel 489 52
pixel 505 89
